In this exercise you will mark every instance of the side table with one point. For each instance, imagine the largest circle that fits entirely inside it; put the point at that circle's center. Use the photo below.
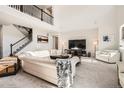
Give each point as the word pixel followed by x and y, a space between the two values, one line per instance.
pixel 9 66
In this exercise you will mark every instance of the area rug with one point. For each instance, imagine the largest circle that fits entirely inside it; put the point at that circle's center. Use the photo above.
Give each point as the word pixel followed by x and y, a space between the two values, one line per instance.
pixel 96 74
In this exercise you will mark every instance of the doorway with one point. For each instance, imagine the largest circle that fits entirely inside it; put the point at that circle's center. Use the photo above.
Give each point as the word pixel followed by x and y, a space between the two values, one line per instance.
pixel 55 42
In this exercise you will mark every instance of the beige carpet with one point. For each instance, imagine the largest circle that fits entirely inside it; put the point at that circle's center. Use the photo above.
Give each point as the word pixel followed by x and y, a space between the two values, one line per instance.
pixel 89 74
pixel 96 74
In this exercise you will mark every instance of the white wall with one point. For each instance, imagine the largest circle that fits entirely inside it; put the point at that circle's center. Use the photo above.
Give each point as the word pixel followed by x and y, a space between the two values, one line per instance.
pixel 39 46
pixel 120 19
pixel 108 26
pixel 103 17
pixel 120 16
pixel 91 35
pixel 9 36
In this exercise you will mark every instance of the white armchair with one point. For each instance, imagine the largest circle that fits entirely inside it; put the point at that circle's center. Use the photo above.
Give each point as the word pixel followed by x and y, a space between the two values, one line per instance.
pixel 110 56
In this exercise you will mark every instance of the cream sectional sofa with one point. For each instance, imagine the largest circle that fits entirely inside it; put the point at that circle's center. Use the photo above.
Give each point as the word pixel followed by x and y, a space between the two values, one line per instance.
pixel 38 63
pixel 110 56
pixel 120 66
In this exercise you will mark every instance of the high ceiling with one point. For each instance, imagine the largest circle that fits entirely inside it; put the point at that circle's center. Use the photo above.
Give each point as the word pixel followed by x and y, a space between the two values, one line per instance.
pixel 75 17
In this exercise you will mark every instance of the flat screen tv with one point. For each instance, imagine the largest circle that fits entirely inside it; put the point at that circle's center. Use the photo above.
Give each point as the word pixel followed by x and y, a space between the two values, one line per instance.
pixel 77 44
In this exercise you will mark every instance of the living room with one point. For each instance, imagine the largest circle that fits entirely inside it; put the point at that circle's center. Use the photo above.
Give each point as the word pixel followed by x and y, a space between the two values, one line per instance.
pixel 100 29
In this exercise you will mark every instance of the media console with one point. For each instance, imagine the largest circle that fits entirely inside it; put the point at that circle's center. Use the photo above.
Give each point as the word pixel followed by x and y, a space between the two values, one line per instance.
pixel 76 52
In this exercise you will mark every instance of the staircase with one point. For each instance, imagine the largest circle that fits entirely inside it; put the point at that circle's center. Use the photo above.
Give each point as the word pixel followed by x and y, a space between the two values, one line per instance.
pixel 22 29
pixel 23 42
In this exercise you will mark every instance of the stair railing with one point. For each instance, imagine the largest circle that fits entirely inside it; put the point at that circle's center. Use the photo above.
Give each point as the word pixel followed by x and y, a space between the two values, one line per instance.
pixel 22 29
pixel 29 39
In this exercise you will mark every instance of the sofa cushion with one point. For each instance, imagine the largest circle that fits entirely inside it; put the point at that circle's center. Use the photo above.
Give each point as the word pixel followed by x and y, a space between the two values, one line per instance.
pixel 111 56
pixel 43 53
pixel 27 53
pixel 108 52
pixel 59 52
pixel 55 52
pixel 104 52
pixel 37 59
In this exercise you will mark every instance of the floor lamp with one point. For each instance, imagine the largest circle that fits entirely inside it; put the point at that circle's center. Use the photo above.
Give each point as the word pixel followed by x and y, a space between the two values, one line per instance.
pixel 63 43
pixel 95 45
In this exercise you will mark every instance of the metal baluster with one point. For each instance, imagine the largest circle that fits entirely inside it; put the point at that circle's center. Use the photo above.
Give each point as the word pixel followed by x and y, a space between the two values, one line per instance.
pixel 35 12
pixel 19 7
pixel 10 49
pixel 16 7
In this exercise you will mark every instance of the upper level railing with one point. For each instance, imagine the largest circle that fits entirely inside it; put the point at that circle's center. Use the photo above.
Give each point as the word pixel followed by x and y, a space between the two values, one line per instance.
pixel 35 12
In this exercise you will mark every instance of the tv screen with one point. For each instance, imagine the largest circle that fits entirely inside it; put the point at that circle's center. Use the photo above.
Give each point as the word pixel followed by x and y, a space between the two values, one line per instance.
pixel 77 44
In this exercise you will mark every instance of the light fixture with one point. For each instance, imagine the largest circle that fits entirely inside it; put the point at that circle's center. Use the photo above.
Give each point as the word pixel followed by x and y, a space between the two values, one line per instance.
pixel 95 42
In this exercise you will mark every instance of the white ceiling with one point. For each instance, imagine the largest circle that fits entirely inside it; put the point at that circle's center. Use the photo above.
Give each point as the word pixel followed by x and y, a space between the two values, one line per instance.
pixel 74 17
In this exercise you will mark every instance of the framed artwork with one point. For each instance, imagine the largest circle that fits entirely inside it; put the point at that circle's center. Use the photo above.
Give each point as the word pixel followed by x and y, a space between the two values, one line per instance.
pixel 42 39
pixel 106 38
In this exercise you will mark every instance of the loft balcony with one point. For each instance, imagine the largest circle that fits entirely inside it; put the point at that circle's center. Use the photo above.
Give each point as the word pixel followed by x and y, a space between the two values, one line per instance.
pixel 35 11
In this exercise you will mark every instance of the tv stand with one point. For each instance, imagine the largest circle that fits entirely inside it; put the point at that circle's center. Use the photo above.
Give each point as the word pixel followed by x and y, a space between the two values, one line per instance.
pixel 76 52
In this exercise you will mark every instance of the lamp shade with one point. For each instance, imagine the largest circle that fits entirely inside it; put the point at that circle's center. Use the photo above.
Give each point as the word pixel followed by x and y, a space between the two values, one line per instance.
pixel 95 43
